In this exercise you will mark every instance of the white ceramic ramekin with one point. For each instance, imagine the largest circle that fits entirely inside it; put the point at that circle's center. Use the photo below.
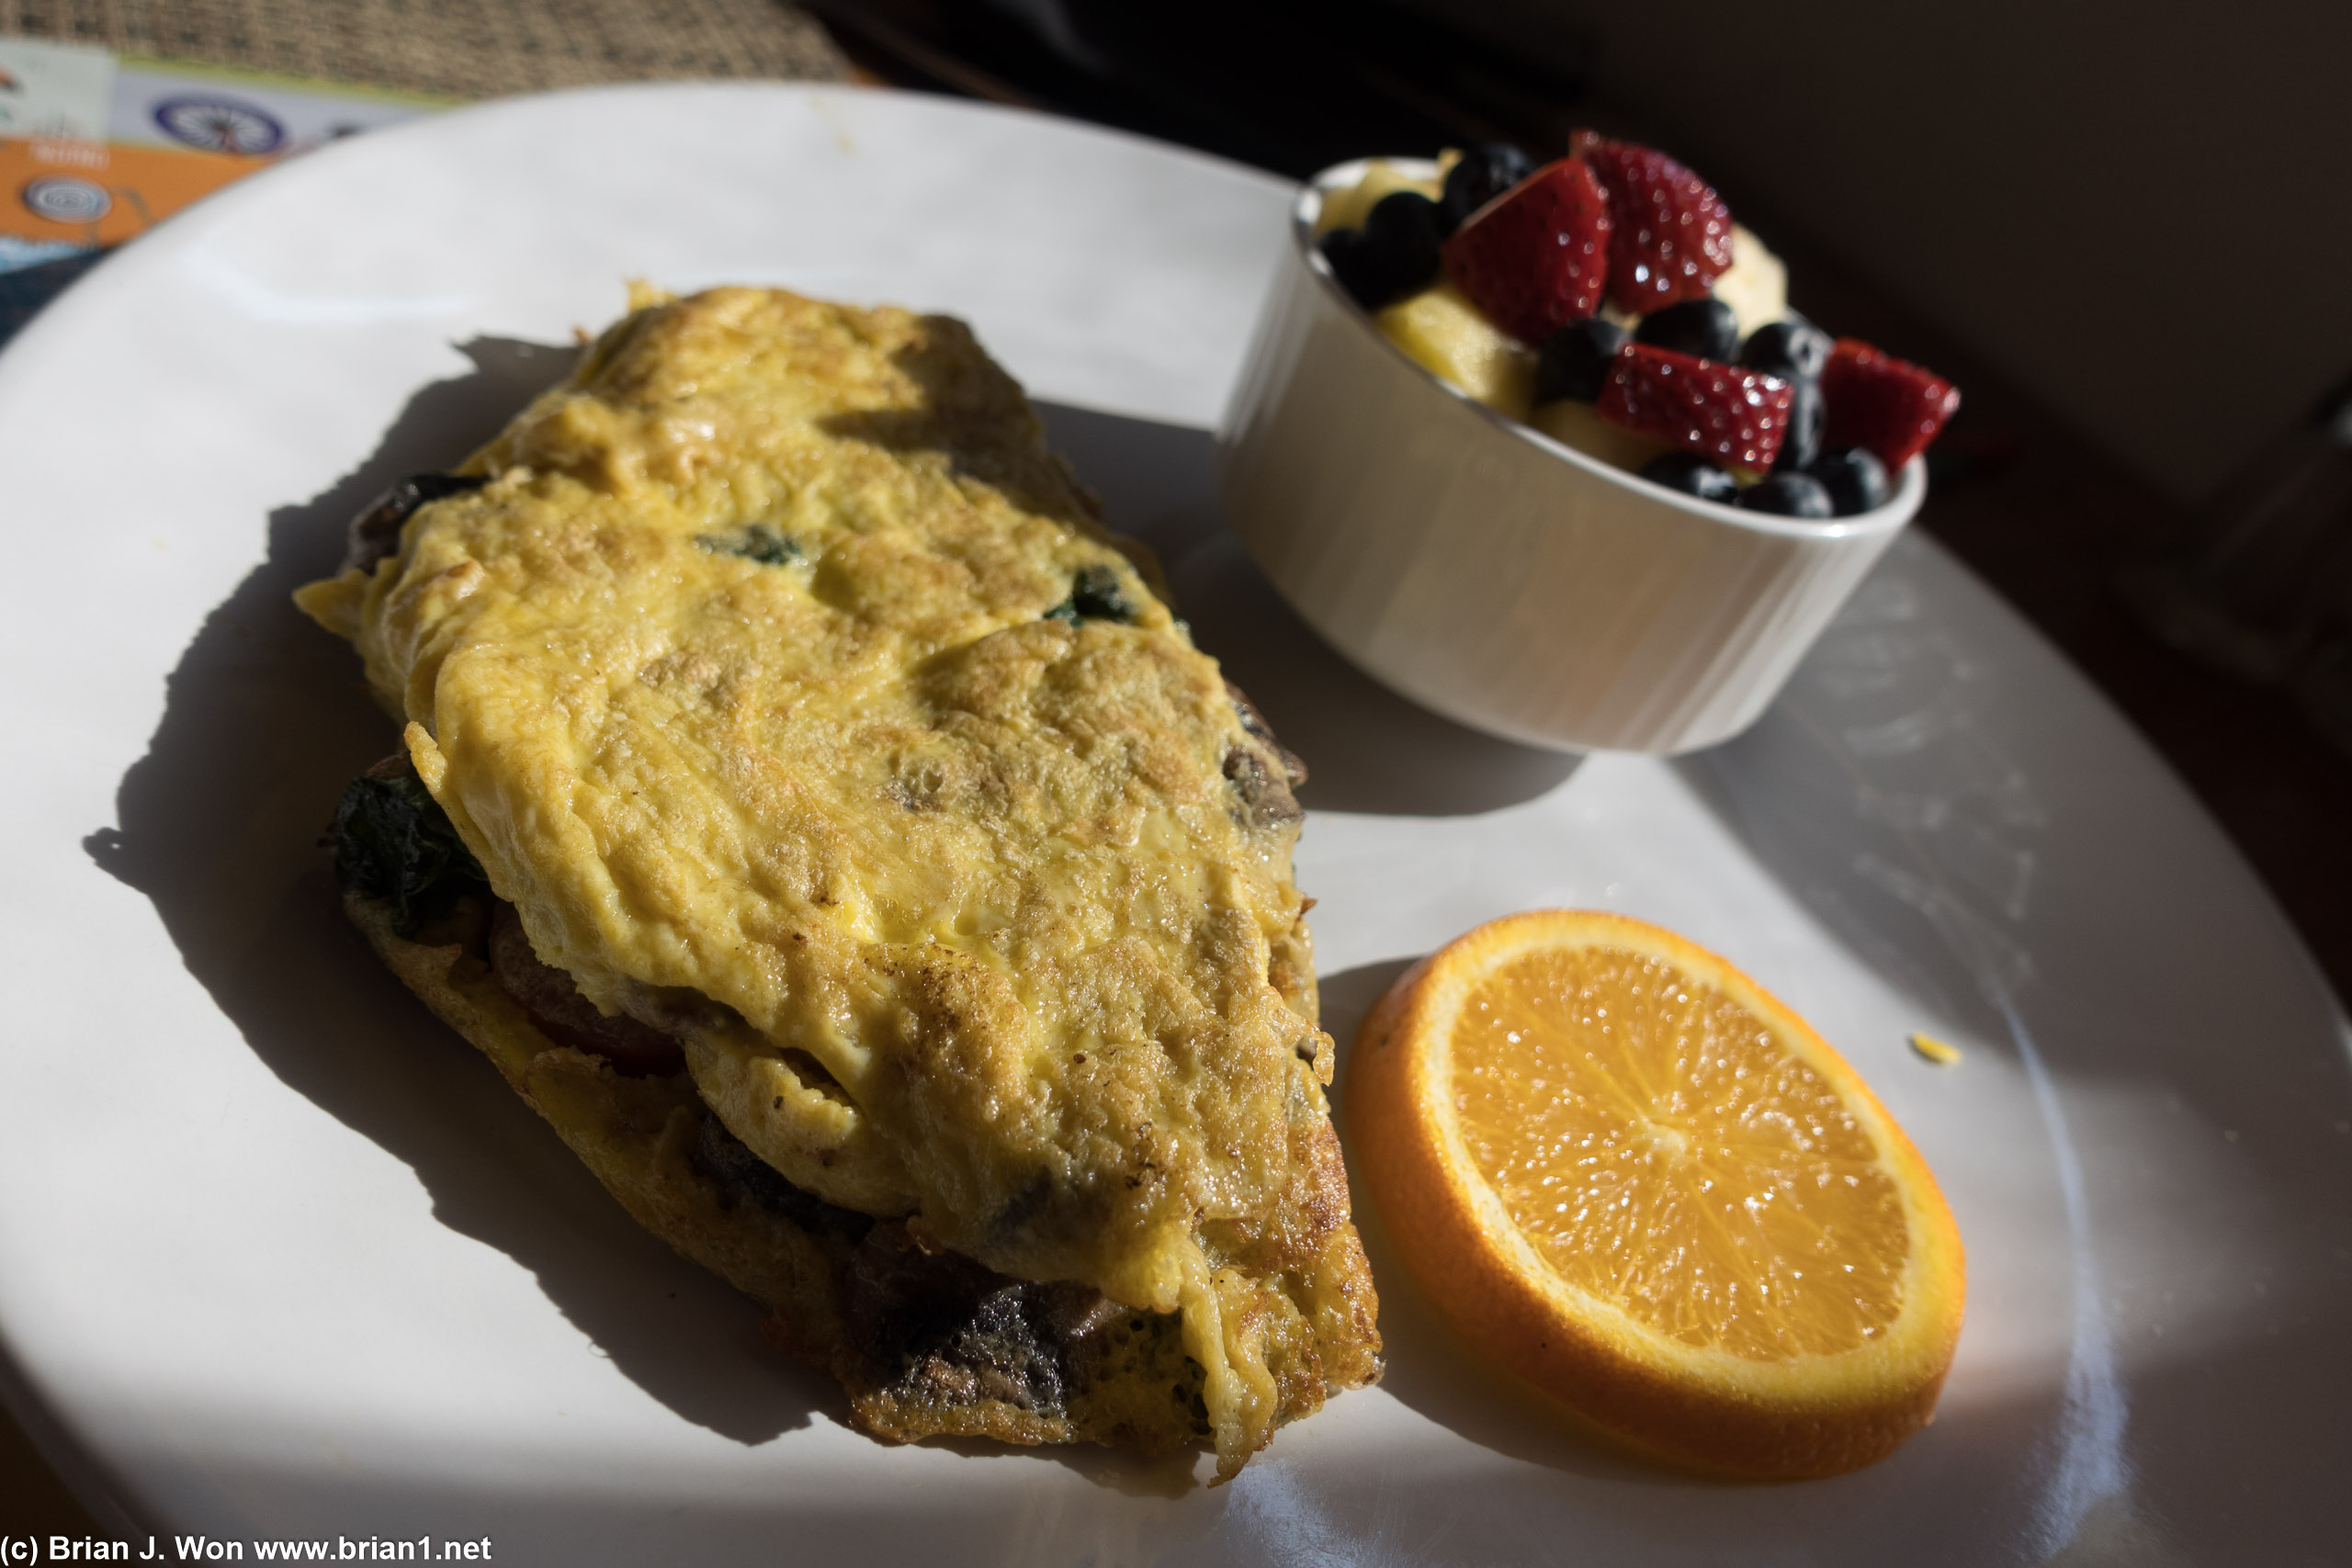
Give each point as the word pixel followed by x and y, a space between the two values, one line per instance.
pixel 1493 574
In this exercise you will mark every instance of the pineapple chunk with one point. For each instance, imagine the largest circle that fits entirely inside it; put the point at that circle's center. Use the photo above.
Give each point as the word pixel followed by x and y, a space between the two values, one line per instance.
pixel 1756 286
pixel 1445 335
pixel 1572 424
pixel 1349 209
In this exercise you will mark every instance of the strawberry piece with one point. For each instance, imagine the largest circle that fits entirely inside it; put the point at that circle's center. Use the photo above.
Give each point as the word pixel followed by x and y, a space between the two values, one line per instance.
pixel 1889 407
pixel 1732 416
pixel 1534 259
pixel 1669 232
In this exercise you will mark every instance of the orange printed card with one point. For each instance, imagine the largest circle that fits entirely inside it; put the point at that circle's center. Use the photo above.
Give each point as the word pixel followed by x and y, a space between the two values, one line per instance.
pixel 96 192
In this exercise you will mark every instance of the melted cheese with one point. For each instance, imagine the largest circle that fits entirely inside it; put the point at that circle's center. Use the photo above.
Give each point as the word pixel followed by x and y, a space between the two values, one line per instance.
pixel 744 678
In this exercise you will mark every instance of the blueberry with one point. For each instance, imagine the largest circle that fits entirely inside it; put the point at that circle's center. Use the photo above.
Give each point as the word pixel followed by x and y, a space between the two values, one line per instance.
pixel 1855 479
pixel 393 842
pixel 1801 443
pixel 1692 476
pixel 1793 349
pixel 1574 362
pixel 1352 261
pixel 1704 327
pixel 1484 173
pixel 1403 232
pixel 1394 252
pixel 1789 495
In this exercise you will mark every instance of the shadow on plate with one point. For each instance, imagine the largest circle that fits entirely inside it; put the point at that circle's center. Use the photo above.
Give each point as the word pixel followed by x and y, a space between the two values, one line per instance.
pixel 1976 827
pixel 1170 1477
pixel 1867 791
pixel 266 719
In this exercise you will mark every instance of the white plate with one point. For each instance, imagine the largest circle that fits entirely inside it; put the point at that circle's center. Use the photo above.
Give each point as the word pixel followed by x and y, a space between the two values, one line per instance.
pixel 278 1257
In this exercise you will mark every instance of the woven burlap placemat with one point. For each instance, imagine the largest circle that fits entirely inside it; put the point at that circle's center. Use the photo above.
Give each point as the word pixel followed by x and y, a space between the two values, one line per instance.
pixel 460 49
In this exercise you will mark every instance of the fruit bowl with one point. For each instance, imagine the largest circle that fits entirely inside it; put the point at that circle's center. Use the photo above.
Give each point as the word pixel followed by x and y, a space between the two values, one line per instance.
pixel 1493 574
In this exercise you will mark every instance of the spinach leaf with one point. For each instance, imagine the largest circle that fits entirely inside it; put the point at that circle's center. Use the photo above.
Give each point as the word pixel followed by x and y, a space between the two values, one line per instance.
pixel 1095 594
pixel 762 542
pixel 392 841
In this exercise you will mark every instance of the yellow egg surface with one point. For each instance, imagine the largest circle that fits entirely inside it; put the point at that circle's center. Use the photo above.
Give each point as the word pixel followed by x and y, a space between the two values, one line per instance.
pixel 789 688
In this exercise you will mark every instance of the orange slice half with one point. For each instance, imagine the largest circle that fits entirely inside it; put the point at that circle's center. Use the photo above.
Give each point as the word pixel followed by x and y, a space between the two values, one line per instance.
pixel 1626 1171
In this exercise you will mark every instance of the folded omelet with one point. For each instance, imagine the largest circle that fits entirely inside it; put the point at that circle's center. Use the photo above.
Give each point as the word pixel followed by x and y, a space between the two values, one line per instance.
pixel 827 826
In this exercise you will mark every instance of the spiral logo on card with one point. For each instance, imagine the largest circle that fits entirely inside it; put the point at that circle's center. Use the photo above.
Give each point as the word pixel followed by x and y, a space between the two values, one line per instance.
pixel 218 124
pixel 67 198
